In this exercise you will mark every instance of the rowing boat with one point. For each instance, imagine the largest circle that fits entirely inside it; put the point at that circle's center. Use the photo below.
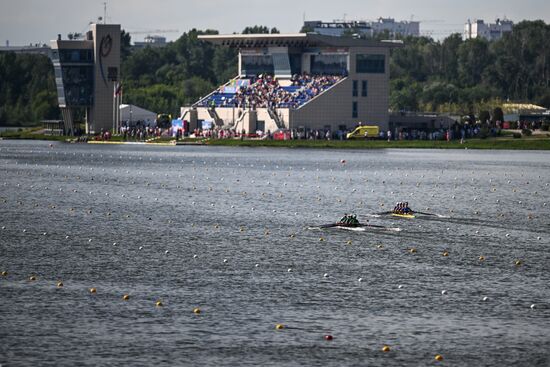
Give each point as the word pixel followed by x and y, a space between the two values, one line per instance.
pixel 355 227
pixel 408 216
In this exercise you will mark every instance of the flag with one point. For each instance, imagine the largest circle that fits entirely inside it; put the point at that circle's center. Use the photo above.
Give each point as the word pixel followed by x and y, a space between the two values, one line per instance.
pixel 118 89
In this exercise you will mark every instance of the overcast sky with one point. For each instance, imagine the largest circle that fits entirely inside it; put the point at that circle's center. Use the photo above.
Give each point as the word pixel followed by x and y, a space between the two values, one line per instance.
pixel 36 21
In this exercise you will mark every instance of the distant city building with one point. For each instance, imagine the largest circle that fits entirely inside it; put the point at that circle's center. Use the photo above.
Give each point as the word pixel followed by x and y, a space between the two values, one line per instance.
pixel 491 31
pixel 365 28
pixel 87 73
pixel 151 41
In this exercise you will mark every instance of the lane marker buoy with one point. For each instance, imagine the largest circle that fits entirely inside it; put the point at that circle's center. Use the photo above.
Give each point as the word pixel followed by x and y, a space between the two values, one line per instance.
pixel 93 290
pixel 279 326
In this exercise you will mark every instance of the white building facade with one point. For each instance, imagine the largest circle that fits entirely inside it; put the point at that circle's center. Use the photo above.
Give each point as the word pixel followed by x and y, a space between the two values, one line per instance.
pixel 490 31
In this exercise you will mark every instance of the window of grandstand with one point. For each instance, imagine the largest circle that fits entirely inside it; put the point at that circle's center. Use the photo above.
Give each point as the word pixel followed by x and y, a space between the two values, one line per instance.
pixel 295 63
pixel 354 93
pixel 373 64
pixel 354 110
pixel 257 64
pixel 334 64
pixel 364 85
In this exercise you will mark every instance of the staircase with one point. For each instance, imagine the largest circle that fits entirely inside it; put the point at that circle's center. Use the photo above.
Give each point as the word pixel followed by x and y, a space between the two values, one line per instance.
pixel 215 117
pixel 273 114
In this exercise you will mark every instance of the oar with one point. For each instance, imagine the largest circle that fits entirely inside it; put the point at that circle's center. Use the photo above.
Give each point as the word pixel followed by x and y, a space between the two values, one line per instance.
pixel 373 225
pixel 432 214
pixel 382 213
pixel 328 225
pixel 415 212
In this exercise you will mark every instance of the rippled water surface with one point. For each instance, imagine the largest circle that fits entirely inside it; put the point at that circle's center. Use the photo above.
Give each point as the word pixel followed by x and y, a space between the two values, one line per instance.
pixel 230 231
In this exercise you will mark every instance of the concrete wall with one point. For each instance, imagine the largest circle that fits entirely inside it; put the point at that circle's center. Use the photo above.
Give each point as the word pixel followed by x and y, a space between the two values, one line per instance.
pixel 106 39
pixel 334 107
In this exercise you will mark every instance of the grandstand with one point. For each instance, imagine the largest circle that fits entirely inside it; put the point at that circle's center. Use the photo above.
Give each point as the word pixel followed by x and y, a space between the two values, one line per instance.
pixel 298 81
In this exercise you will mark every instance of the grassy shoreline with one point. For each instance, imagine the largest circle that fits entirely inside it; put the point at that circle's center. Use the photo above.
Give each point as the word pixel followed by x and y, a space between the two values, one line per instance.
pixel 536 142
pixel 490 143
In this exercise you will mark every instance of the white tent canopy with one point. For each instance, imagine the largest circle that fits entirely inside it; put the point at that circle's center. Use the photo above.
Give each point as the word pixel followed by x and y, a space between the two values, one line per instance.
pixel 131 114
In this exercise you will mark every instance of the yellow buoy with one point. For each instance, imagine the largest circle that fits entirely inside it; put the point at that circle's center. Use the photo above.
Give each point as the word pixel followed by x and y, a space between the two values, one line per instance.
pixel 385 349
pixel 93 290
pixel 279 326
pixel 481 258
pixel 321 239
pixel 349 242
pixel 32 278
pixel 126 297
pixel 518 263
pixel 4 273
pixel 380 246
pixel 159 304
pixel 197 310
pixel 445 253
pixel 59 284
pixel 412 250
pixel 438 357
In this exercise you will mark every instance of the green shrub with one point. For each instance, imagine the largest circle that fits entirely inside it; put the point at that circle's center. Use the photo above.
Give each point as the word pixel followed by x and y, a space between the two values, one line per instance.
pixel 526 132
pixel 545 126
pixel 516 135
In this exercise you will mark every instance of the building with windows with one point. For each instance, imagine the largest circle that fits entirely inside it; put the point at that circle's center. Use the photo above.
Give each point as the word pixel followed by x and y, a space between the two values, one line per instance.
pixel 298 81
pixel 86 74
pixel 151 41
pixel 364 28
pixel 491 31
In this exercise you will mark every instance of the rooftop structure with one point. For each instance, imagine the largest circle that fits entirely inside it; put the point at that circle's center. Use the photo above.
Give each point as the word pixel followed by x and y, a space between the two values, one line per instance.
pixel 291 81
pixel 364 28
pixel 29 49
pixel 491 31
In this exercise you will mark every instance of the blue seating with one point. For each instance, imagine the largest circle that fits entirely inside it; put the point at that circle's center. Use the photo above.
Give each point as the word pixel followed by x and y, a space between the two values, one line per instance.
pixel 300 95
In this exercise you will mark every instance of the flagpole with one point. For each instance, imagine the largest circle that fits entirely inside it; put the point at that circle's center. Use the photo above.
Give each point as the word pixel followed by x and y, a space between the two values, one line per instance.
pixel 114 106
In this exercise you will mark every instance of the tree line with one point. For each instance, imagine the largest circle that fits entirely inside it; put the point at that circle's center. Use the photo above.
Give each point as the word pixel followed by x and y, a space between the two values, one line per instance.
pixel 452 75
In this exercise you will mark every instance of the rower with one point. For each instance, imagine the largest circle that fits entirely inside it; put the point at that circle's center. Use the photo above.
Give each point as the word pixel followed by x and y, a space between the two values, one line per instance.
pixel 344 219
pixel 406 209
pixel 396 207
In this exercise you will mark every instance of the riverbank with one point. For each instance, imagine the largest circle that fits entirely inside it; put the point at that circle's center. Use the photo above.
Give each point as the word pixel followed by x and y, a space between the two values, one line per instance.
pixel 525 143
pixel 535 142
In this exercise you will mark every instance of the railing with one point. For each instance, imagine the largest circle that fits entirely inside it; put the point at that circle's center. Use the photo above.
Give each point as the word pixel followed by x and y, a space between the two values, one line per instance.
pixel 241 118
pixel 196 104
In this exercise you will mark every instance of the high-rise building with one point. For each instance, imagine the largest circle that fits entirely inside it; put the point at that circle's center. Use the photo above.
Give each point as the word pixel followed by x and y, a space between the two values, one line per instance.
pixel 87 73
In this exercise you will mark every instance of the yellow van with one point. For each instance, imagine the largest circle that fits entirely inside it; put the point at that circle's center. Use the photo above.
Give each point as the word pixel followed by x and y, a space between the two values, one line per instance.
pixel 362 132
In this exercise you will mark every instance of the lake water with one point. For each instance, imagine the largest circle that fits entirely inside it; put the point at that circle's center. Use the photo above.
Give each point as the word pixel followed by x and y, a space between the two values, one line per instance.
pixel 219 229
